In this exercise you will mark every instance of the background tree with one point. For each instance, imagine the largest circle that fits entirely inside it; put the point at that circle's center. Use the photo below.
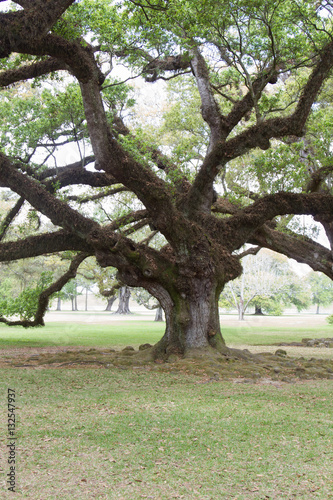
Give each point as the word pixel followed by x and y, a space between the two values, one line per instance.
pixel 267 281
pixel 258 68
pixel 145 299
pixel 321 289
pixel 124 296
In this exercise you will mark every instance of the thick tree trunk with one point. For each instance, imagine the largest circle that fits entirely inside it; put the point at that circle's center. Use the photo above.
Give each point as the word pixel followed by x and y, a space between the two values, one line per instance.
pixel 192 322
pixel 159 314
pixel 124 297
pixel 258 311
pixel 110 303
pixel 317 311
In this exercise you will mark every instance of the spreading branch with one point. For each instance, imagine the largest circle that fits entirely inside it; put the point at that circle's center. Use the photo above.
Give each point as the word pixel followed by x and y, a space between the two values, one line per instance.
pixel 260 134
pixel 42 244
pixel 294 246
pixel 44 297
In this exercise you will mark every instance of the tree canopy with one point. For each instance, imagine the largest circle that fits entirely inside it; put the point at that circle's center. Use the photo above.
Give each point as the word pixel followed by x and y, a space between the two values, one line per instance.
pixel 254 81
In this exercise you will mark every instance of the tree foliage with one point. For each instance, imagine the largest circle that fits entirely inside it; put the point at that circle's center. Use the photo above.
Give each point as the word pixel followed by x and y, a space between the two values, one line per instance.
pixel 242 148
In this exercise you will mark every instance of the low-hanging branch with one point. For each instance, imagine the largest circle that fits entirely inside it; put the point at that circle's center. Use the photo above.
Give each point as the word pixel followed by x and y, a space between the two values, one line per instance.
pixel 44 297
pixel 42 244
pixel 297 247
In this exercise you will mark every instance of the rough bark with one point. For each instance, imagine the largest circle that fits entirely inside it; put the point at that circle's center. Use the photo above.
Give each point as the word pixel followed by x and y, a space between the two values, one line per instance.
pixel 192 319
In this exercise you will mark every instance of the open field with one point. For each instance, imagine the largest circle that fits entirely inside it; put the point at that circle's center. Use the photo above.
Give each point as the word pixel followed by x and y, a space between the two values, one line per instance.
pixel 131 433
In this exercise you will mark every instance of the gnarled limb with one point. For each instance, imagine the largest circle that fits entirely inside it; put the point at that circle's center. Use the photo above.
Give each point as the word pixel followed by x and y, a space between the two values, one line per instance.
pixel 31 71
pixel 56 210
pixel 42 244
pixel 209 108
pixel 259 135
pixel 52 172
pixel 302 249
pixel 44 297
pixel 76 176
pixel 251 218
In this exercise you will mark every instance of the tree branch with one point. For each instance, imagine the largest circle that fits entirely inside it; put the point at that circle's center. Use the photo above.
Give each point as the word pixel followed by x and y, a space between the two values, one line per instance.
pixel 56 210
pixel 98 196
pixel 252 217
pixel 250 251
pixel 42 244
pixel 31 71
pixel 209 108
pixel 302 249
pixel 259 135
pixel 10 217
pixel 44 297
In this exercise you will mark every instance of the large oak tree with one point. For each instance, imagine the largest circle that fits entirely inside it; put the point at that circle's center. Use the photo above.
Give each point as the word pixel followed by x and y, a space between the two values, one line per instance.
pixel 236 53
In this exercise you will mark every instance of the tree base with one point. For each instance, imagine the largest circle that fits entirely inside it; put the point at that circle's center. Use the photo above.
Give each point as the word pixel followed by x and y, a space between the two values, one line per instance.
pixel 206 364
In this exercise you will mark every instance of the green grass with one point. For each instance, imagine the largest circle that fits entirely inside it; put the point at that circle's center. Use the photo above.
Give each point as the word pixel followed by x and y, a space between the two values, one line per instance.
pixel 72 334
pixel 122 434
pixel 138 433
pixel 262 335
pixel 138 332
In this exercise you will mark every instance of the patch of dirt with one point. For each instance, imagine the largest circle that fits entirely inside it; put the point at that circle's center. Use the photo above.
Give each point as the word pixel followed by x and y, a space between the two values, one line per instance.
pixel 236 365
pixel 326 342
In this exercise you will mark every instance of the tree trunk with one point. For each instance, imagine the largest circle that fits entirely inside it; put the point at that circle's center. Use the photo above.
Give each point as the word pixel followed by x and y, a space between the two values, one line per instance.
pixel 192 321
pixel 317 311
pixel 58 304
pixel 110 303
pixel 124 297
pixel 258 311
pixel 159 314
pixel 241 311
pixel 86 300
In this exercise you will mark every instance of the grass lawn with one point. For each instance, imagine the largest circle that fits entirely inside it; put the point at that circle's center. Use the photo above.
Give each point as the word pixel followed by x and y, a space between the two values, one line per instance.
pixel 122 333
pixel 74 334
pixel 128 434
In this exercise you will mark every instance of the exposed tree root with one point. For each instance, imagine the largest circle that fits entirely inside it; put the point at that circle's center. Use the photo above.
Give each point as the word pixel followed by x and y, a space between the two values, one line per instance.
pixel 208 363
